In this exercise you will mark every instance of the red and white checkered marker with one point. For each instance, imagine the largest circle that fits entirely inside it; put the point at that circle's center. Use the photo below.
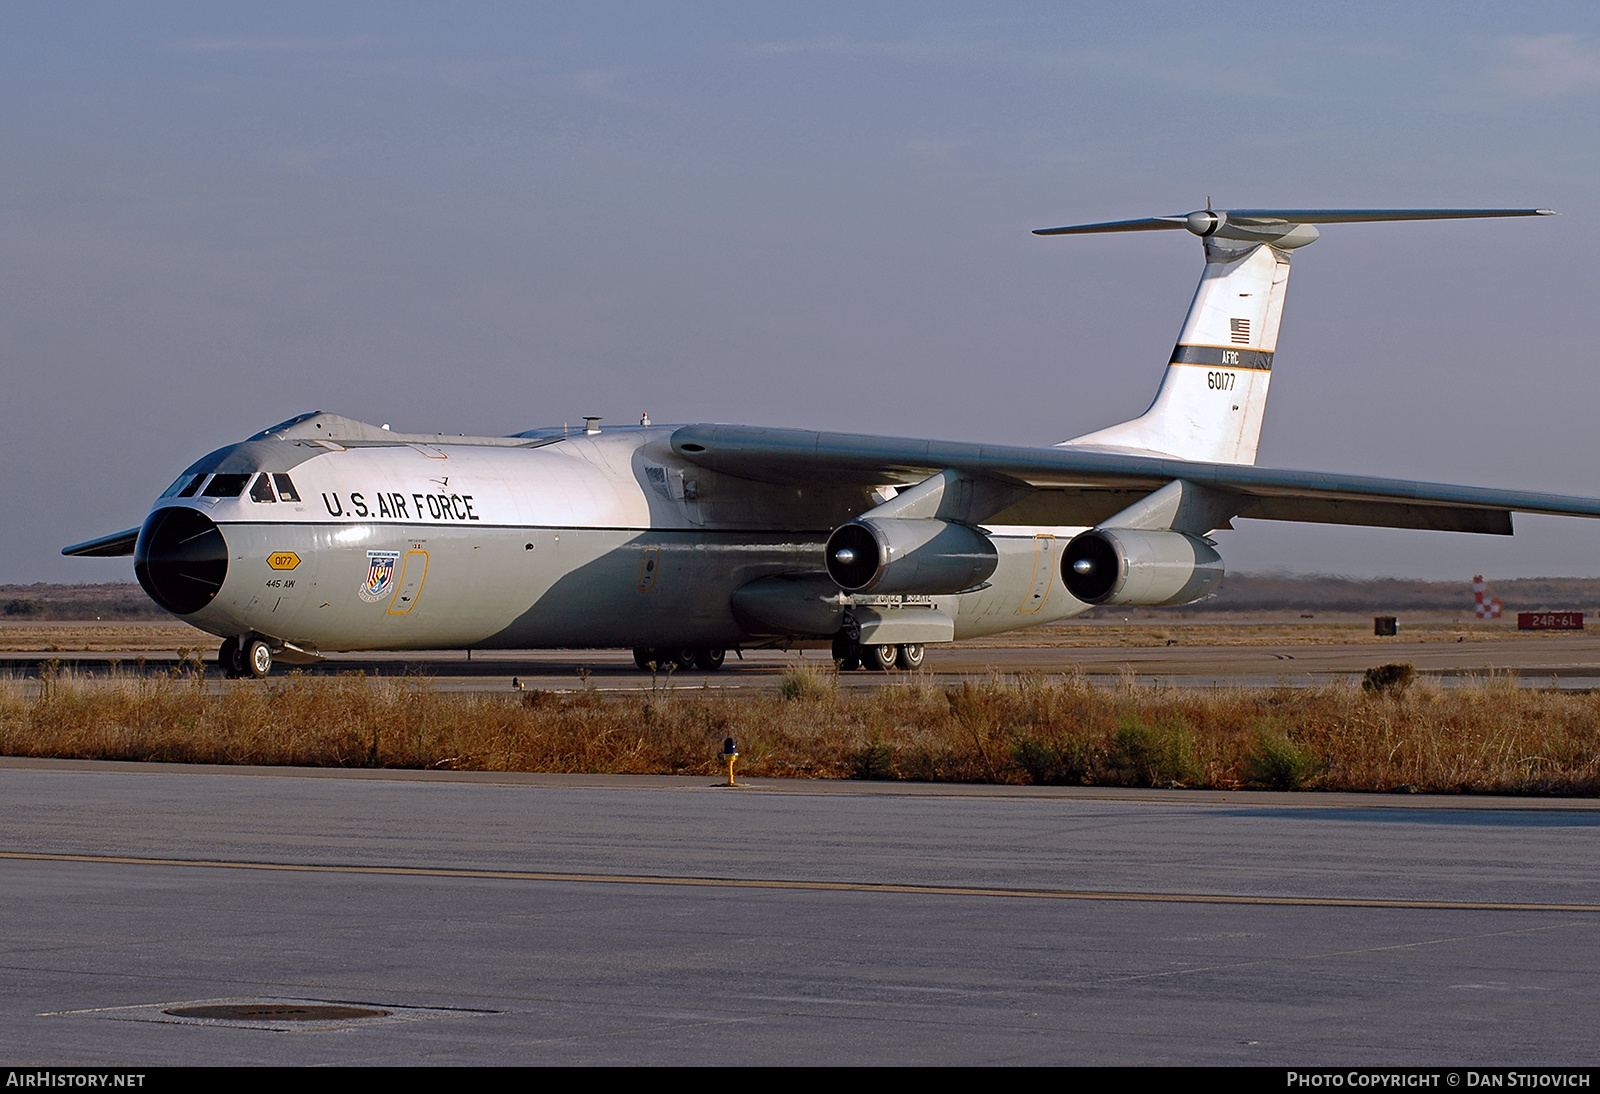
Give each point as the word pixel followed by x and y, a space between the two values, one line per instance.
pixel 1489 609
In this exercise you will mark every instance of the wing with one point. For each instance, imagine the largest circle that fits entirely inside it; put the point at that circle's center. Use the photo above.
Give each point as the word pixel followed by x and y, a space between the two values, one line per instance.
pixel 1067 486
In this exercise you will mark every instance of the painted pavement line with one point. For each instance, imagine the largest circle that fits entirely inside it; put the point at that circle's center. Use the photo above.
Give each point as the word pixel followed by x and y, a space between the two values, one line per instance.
pixel 803 885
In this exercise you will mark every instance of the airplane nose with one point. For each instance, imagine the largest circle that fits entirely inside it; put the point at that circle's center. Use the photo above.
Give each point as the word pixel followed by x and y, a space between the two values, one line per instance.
pixel 180 559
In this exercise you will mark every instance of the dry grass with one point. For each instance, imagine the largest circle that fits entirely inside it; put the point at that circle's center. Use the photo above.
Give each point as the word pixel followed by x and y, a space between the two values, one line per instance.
pixel 1492 737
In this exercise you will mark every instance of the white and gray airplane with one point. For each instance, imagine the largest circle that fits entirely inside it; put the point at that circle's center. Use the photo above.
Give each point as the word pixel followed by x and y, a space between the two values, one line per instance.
pixel 327 534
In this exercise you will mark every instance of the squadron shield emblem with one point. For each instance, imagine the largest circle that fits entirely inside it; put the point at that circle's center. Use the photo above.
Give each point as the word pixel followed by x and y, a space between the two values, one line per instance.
pixel 380 576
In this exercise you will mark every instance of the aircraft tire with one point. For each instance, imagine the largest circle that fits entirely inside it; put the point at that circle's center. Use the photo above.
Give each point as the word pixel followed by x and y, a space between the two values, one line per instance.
pixel 228 658
pixel 879 658
pixel 258 659
pixel 644 657
pixel 846 654
pixel 909 656
pixel 684 658
pixel 710 660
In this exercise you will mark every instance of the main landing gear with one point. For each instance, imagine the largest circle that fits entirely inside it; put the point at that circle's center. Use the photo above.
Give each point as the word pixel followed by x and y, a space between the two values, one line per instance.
pixel 254 658
pixel 689 657
pixel 850 656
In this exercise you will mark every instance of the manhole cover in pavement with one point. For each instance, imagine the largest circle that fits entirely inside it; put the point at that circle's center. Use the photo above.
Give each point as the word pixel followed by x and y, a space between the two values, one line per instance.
pixel 277 1012
pixel 276 1015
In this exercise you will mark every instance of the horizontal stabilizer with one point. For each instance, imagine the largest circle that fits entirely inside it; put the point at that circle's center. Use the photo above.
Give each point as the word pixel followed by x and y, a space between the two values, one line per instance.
pixel 1144 224
pixel 112 546
pixel 1251 223
pixel 1362 216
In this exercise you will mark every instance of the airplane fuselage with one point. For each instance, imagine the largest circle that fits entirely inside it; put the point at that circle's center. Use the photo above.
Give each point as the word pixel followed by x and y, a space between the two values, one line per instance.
pixel 591 540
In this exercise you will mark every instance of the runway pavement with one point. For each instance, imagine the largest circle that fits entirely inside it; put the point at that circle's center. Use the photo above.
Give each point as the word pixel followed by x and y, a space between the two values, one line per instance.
pixel 549 919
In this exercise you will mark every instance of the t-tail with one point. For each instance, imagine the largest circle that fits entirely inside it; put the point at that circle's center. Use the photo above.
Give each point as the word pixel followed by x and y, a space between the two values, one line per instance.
pixel 1213 396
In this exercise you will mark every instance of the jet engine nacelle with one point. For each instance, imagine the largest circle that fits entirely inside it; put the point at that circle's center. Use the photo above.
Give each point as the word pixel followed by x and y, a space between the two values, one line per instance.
pixel 1127 566
pixel 922 556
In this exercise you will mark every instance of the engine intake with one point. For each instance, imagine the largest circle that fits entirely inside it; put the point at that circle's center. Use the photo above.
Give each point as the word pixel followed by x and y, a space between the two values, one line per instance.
pixel 921 557
pixel 1126 566
pixel 180 558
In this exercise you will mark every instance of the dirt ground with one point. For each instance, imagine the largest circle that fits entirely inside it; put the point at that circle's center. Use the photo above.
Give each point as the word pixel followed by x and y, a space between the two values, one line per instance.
pixel 1247 629
pixel 102 636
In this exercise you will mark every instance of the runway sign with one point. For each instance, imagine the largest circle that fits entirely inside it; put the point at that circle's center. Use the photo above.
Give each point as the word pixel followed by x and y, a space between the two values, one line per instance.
pixel 1549 621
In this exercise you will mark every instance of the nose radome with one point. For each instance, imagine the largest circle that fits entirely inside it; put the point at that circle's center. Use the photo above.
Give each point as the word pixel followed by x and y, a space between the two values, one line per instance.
pixel 180 559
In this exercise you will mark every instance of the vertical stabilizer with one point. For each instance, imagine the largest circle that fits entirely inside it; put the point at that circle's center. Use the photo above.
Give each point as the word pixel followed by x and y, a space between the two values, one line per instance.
pixel 1212 398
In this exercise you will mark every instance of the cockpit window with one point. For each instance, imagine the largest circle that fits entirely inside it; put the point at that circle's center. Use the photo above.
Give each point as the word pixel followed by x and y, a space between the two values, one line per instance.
pixel 193 488
pixel 261 489
pixel 175 490
pixel 226 486
pixel 286 489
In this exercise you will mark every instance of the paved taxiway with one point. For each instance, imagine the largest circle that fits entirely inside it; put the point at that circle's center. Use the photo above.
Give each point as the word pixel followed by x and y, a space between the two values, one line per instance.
pixel 1568 660
pixel 532 918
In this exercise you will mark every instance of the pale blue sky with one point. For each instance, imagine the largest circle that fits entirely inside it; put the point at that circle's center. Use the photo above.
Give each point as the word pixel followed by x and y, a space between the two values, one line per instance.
pixel 483 218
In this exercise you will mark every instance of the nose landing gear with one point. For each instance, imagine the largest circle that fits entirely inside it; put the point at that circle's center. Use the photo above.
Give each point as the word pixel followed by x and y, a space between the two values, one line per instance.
pixel 258 659
pixel 254 658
